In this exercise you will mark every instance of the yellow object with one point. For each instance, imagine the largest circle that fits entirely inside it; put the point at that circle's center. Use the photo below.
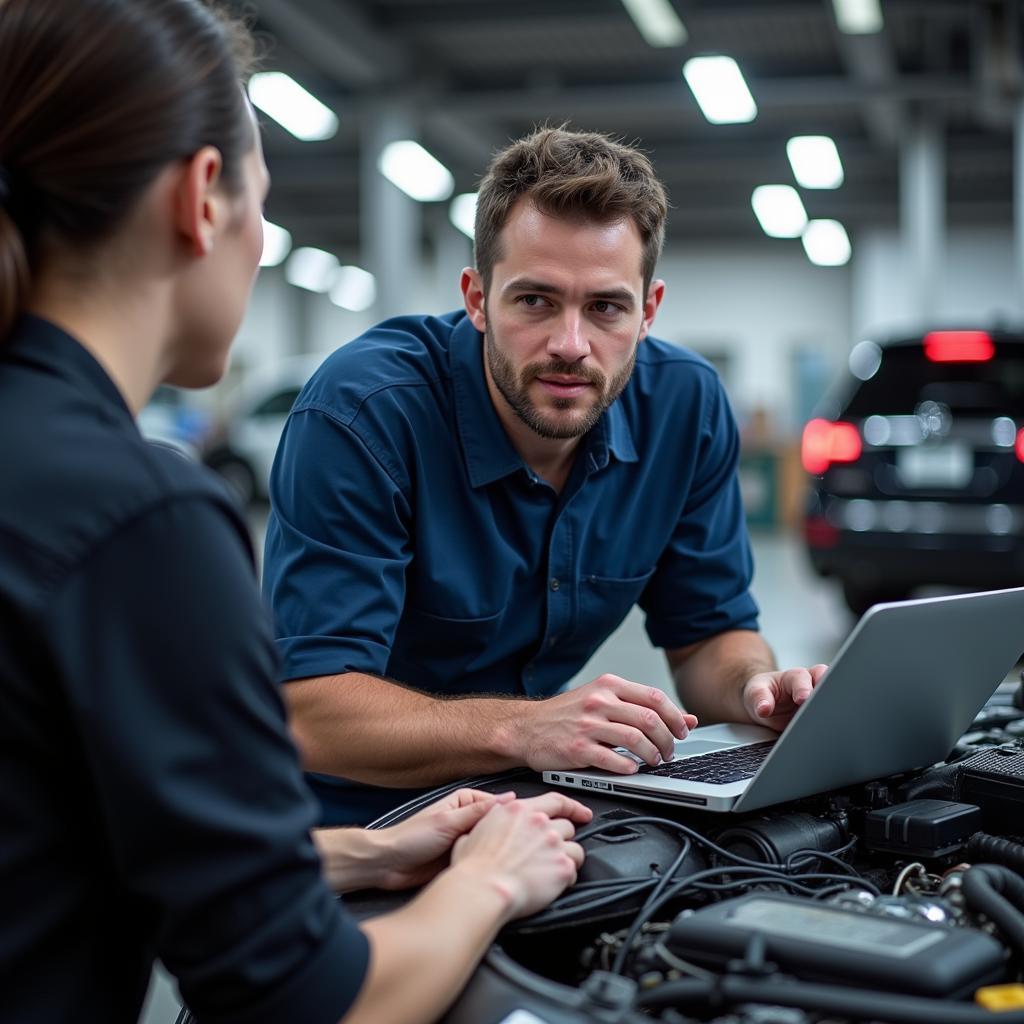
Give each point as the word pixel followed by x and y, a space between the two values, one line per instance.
pixel 1000 997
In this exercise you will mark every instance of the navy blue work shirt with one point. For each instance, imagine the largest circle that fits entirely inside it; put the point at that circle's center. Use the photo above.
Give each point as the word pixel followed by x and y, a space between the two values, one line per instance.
pixel 408 539
pixel 151 802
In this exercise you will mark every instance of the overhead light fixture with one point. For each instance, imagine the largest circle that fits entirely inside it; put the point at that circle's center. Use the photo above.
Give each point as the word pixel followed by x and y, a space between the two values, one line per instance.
pixel 312 269
pixel 277 243
pixel 815 161
pixel 416 172
pixel 826 243
pixel 354 289
pixel 858 17
pixel 779 210
pixel 292 107
pixel 462 213
pixel 720 90
pixel 657 22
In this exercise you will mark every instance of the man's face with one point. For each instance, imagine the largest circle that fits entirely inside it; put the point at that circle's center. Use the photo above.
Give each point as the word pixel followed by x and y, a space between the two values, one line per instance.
pixel 562 318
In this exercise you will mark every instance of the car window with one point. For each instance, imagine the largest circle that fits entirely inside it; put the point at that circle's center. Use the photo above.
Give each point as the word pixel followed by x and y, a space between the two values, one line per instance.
pixel 278 404
pixel 906 378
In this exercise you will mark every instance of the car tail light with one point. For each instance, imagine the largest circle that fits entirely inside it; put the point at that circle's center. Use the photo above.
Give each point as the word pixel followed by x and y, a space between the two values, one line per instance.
pixel 1019 446
pixel 820 533
pixel 959 346
pixel 825 442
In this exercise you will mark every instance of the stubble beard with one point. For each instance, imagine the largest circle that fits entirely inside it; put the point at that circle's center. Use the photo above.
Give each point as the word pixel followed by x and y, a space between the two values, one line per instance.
pixel 514 388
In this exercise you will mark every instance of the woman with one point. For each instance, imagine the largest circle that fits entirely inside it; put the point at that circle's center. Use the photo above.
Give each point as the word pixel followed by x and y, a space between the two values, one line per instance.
pixel 151 804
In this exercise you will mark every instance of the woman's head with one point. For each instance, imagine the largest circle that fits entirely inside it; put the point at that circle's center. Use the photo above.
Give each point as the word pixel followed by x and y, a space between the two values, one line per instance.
pixel 99 98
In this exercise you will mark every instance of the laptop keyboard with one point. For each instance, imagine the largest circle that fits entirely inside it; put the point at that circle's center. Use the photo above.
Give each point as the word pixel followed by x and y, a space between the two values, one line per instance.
pixel 718 767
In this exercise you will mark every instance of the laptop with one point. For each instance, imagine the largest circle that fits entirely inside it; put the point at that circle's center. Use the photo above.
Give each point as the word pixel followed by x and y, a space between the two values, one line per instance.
pixel 906 684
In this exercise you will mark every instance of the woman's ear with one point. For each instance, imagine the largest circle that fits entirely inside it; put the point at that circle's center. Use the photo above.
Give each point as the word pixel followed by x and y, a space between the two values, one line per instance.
pixel 200 207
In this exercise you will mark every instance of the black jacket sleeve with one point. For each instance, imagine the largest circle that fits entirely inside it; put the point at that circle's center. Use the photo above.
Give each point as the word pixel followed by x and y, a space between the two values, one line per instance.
pixel 170 668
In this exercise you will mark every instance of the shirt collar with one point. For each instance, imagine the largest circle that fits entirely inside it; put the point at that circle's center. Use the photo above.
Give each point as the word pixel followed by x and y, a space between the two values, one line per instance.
pixel 487 449
pixel 44 344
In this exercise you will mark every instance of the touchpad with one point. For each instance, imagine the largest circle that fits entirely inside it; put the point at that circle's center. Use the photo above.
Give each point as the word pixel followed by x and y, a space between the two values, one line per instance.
pixel 688 747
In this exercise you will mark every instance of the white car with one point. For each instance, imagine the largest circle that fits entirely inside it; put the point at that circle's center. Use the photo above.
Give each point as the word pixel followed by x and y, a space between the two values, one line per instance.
pixel 242 447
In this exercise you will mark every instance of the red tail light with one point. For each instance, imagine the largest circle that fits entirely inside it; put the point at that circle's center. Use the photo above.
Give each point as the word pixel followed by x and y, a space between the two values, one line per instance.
pixel 1019 446
pixel 825 442
pixel 959 346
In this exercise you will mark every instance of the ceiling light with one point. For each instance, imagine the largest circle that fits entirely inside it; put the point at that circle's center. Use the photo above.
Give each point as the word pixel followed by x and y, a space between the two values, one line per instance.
pixel 354 289
pixel 462 213
pixel 657 22
pixel 815 161
pixel 418 174
pixel 294 109
pixel 312 269
pixel 826 243
pixel 277 243
pixel 779 210
pixel 858 17
pixel 718 85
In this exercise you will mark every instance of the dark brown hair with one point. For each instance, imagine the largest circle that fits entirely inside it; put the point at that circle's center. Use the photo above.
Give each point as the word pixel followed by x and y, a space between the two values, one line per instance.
pixel 571 174
pixel 97 97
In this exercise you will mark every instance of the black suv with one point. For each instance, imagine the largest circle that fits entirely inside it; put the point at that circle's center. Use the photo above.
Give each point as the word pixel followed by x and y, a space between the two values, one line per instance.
pixel 917 467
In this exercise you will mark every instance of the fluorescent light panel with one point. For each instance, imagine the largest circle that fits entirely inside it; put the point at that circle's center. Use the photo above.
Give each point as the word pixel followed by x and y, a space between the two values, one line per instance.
pixel 657 22
pixel 826 243
pixel 312 269
pixel 815 161
pixel 462 213
pixel 277 243
pixel 292 107
pixel 416 172
pixel 779 210
pixel 720 90
pixel 354 289
pixel 858 17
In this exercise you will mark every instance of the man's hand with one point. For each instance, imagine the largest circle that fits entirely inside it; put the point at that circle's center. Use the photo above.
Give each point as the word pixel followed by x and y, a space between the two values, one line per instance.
pixel 578 729
pixel 413 851
pixel 772 698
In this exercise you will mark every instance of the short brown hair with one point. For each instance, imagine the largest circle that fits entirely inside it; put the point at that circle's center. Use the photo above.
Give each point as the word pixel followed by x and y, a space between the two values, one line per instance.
pixel 571 174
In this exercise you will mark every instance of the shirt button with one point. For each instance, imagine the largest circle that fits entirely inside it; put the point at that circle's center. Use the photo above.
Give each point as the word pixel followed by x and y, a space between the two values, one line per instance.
pixel 554 583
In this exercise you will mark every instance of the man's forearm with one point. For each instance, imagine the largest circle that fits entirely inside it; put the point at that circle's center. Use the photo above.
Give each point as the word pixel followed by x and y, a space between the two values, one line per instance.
pixel 378 732
pixel 710 675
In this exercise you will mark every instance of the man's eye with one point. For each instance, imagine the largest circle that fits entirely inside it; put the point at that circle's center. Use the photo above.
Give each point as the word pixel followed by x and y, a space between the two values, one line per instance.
pixel 606 307
pixel 532 301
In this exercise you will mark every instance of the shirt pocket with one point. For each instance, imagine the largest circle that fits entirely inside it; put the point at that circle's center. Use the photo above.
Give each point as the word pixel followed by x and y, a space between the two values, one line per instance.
pixel 436 652
pixel 604 602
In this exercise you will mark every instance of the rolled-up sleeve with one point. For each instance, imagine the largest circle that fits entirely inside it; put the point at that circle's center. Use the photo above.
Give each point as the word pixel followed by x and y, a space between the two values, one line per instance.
pixel 701 584
pixel 170 669
pixel 337 549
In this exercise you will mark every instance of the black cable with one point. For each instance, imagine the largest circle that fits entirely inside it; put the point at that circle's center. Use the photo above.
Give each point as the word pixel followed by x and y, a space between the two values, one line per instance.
pixel 831 1000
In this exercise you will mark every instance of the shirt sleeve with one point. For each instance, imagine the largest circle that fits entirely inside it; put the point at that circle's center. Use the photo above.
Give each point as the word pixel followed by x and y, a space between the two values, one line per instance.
pixel 701 584
pixel 169 665
pixel 337 549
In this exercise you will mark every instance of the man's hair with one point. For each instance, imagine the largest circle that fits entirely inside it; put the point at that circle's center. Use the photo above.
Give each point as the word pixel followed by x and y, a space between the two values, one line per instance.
pixel 576 175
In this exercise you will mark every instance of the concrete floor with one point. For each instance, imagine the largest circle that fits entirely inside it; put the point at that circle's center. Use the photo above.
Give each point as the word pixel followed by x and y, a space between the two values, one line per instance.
pixel 802 617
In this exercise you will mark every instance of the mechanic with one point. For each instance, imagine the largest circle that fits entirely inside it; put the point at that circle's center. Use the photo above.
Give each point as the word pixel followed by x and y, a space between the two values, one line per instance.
pixel 151 801
pixel 464 507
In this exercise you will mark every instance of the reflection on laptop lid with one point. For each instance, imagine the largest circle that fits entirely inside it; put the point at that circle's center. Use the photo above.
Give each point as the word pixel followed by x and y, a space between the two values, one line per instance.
pixel 903 688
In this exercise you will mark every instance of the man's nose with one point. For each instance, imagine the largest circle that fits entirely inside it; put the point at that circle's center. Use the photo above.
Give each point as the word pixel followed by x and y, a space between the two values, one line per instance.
pixel 569 340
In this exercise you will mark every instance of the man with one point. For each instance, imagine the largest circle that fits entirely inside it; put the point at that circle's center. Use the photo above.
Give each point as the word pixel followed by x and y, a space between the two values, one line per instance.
pixel 465 507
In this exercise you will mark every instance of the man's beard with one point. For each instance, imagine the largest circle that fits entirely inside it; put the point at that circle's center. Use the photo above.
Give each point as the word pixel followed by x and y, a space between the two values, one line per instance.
pixel 514 389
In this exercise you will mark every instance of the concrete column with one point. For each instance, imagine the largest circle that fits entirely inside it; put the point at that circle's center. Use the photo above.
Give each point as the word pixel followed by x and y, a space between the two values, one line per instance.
pixel 452 251
pixel 923 215
pixel 1018 202
pixel 390 222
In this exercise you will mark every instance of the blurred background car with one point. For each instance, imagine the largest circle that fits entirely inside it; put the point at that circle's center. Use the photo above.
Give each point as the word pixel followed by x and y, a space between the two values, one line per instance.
pixel 171 418
pixel 242 443
pixel 917 467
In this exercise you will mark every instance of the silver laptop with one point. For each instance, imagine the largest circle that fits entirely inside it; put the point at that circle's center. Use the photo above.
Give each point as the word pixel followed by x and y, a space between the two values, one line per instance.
pixel 903 688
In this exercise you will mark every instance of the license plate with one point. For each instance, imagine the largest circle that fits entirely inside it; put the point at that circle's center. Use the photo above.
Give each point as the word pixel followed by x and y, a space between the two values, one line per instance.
pixel 949 465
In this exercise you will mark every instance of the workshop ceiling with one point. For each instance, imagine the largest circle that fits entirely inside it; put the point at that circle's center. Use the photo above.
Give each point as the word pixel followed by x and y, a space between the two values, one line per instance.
pixel 476 73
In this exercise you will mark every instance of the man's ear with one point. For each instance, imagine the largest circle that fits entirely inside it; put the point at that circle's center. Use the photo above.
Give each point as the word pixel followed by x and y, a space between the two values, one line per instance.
pixel 473 298
pixel 655 293
pixel 199 206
